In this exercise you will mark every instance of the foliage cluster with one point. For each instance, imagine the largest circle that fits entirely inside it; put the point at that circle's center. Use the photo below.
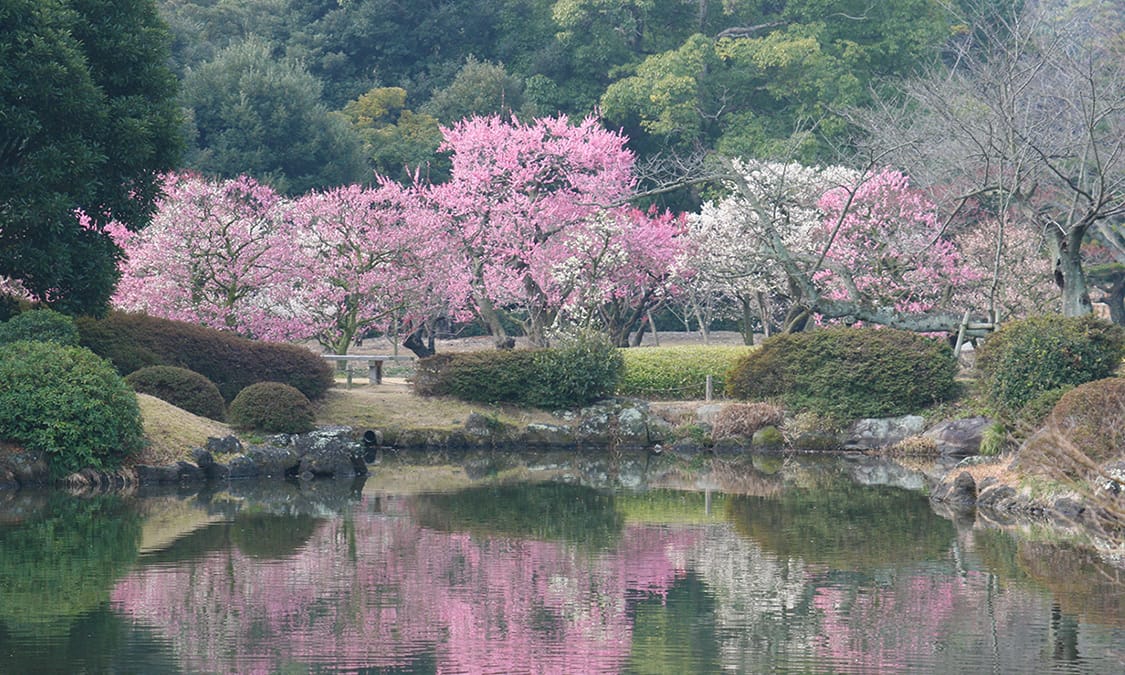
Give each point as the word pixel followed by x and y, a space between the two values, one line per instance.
pixel 40 325
pixel 847 373
pixel 571 375
pixel 183 388
pixel 90 121
pixel 69 404
pixel 272 407
pixel 743 419
pixel 676 373
pixel 134 341
pixel 1028 358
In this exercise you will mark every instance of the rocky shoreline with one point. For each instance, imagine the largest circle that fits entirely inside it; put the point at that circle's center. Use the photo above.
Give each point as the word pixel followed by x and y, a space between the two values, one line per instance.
pixel 615 426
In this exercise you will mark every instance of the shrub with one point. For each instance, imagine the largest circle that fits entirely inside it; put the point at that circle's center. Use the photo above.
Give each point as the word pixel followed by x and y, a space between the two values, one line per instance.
pixel 743 419
pixel 1092 418
pixel 1027 358
pixel 40 325
pixel 847 373
pixel 68 403
pixel 273 407
pixel 134 341
pixel 579 371
pixel 574 374
pixel 676 373
pixel 181 387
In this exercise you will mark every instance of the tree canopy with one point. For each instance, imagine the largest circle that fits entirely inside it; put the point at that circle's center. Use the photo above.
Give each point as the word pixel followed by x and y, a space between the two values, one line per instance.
pixel 89 120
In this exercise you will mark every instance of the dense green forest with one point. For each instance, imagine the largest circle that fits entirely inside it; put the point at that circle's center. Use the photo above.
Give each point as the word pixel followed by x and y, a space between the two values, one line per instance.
pixel 312 93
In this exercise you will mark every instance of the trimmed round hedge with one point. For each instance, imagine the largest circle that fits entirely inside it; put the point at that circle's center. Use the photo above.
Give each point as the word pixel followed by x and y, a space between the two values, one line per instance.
pixel 40 325
pixel 273 407
pixel 1027 358
pixel 183 388
pixel 1092 418
pixel 848 373
pixel 69 404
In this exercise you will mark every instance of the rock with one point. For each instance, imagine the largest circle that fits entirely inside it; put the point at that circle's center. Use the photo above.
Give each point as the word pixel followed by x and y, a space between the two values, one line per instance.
pixel 767 439
pixel 882 432
pixel 242 467
pixel 271 460
pixel 547 435
pixel 997 498
pixel 330 452
pixel 730 445
pixel 228 445
pixel 959 438
pixel 27 468
pixel 190 473
pixel 686 447
pixel 1069 509
pixel 962 493
pixel 482 426
pixel 203 458
pixel 815 441
pixel 151 475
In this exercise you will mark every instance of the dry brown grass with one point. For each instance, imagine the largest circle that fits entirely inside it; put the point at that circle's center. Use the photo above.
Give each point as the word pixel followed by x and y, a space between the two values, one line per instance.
pixel 173 432
pixel 743 419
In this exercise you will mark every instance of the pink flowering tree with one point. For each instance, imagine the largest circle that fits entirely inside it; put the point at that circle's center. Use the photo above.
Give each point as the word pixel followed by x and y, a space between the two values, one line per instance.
pixel 218 253
pixel 517 190
pixel 363 262
pixel 884 250
pixel 617 268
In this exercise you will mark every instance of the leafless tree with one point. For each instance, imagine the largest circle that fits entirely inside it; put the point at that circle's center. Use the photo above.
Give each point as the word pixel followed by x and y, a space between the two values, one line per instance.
pixel 1024 119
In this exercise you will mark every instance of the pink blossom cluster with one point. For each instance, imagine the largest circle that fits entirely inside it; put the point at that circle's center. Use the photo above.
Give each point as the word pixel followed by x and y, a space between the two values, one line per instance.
pixel 527 209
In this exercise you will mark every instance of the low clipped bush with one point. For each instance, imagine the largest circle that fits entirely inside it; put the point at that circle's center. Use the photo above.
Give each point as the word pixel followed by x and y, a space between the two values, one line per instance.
pixel 183 388
pixel 272 407
pixel 1027 358
pixel 847 373
pixel 135 341
pixel 574 374
pixel 676 373
pixel 743 419
pixel 40 325
pixel 1092 418
pixel 577 372
pixel 69 404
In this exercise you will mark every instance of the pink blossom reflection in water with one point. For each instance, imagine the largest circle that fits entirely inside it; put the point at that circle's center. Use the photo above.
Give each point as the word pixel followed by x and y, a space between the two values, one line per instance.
pixel 377 591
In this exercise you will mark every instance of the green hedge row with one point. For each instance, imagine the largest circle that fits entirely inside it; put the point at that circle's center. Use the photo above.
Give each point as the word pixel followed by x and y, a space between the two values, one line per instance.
pixel 1031 358
pixel 677 373
pixel 848 373
pixel 135 341
pixel 575 374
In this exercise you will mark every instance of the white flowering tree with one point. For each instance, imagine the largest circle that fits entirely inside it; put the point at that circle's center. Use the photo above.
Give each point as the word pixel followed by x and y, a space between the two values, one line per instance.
pixel 829 243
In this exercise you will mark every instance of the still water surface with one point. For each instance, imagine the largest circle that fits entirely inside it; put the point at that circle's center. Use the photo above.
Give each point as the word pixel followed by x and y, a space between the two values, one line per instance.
pixel 800 570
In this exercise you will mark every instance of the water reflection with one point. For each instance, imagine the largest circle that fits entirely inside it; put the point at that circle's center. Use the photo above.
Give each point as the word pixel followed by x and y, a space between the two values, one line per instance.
pixel 815 574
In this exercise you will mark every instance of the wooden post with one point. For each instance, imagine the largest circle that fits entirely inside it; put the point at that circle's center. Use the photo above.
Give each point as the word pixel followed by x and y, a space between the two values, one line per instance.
pixel 709 389
pixel 961 335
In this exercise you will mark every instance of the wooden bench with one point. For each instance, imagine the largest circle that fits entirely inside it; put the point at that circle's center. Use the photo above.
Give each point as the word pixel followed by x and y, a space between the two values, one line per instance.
pixel 374 364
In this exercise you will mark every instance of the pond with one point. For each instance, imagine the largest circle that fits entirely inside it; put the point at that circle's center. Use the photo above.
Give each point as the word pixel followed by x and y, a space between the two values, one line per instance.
pixel 780 566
